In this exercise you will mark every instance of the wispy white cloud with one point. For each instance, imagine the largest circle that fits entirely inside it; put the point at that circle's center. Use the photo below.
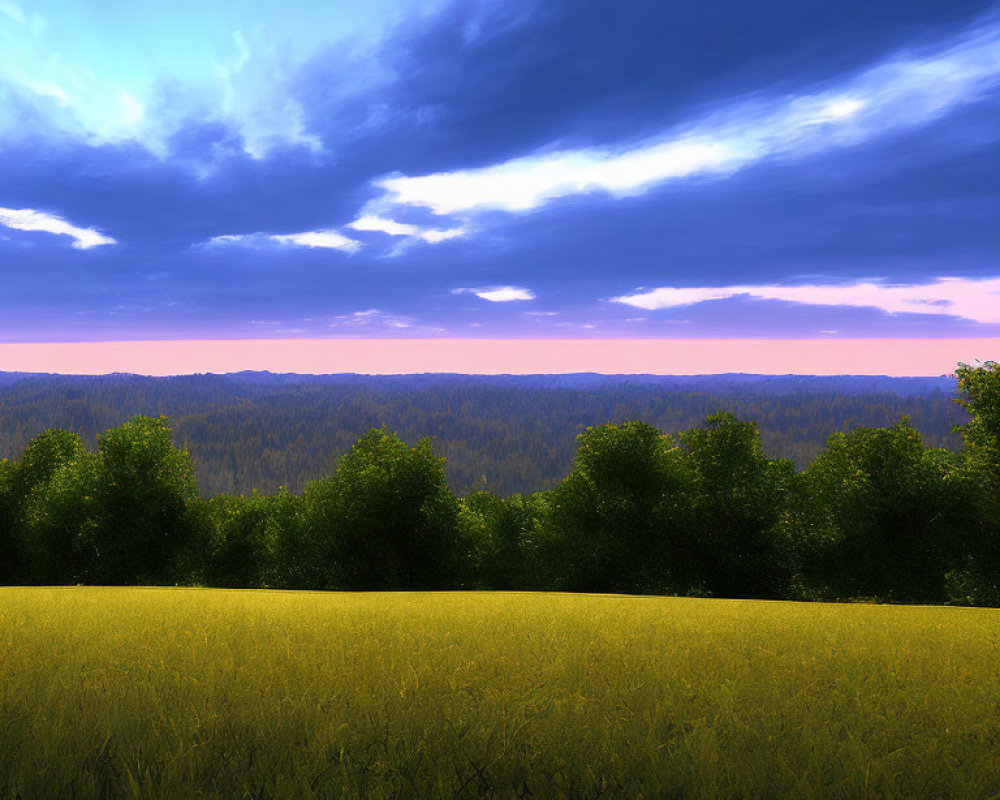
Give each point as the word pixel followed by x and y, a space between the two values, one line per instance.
pixel 905 91
pixel 376 224
pixel 372 318
pixel 244 239
pixel 27 219
pixel 435 235
pixel 34 22
pixel 255 97
pixel 381 225
pixel 330 239
pixel 498 294
pixel 14 12
pixel 977 300
pixel 526 183
pixel 50 89
pixel 323 238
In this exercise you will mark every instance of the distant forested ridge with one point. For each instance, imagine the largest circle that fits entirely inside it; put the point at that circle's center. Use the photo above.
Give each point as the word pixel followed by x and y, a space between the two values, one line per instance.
pixel 506 433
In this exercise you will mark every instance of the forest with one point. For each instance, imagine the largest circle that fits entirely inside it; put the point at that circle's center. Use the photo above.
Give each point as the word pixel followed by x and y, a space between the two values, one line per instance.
pixel 876 515
pixel 507 434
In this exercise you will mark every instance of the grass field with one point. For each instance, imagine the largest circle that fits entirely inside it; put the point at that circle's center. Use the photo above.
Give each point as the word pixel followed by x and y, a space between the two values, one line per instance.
pixel 108 692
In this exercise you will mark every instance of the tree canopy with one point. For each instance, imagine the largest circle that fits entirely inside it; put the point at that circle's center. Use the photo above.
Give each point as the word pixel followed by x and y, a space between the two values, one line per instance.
pixel 877 515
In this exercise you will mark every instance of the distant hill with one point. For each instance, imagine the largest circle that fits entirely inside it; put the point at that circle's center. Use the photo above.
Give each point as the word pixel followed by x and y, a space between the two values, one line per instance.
pixel 720 384
pixel 8 378
pixel 515 432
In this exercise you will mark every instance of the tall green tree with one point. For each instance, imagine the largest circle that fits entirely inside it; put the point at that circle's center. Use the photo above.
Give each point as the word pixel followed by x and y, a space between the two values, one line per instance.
pixel 9 569
pixel 978 579
pixel 979 394
pixel 44 549
pixel 141 529
pixel 620 520
pixel 739 496
pixel 54 518
pixel 877 515
pixel 386 519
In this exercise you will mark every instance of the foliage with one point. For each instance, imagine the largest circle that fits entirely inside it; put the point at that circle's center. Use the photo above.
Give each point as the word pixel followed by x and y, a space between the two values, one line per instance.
pixel 876 515
pixel 619 521
pixel 247 539
pixel 386 518
pixel 118 516
pixel 142 486
pixel 738 497
pixel 979 394
pixel 41 492
pixel 977 580
pixel 505 535
pixel 55 517
pixel 9 569
pixel 505 434
pixel 703 512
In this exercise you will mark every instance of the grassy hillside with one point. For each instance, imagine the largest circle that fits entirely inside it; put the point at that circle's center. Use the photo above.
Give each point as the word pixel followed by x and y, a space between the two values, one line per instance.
pixel 187 693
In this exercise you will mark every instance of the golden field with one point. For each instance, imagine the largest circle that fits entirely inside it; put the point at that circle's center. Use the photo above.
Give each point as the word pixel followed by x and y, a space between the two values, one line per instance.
pixel 131 692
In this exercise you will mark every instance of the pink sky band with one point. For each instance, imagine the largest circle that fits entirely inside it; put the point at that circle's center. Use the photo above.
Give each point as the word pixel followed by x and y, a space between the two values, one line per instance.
pixel 504 356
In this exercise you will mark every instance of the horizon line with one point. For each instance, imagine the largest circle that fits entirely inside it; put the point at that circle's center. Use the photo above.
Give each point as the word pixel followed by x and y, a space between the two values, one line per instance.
pixel 166 357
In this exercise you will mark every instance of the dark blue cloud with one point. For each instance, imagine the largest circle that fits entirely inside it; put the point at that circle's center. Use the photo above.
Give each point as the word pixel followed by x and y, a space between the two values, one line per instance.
pixel 912 206
pixel 480 83
pixel 484 82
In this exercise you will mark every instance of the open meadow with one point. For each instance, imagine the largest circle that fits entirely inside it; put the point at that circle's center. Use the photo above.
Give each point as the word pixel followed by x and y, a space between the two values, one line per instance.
pixel 131 692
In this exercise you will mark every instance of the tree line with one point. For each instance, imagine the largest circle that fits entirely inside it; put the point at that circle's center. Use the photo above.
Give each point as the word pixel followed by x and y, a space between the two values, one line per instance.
pixel 505 434
pixel 876 515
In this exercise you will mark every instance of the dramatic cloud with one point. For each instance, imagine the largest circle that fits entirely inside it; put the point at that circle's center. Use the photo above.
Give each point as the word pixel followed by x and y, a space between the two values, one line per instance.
pixel 498 294
pixel 133 83
pixel 977 300
pixel 322 238
pixel 526 183
pixel 26 219
pixel 338 169
pixel 903 92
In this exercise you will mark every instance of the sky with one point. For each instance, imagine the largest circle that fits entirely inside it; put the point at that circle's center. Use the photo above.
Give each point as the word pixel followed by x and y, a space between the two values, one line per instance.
pixel 500 170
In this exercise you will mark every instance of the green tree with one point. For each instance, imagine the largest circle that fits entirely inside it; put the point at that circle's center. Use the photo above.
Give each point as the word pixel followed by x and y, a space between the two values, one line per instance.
pixel 979 394
pixel 10 571
pixel 54 517
pixel 239 546
pixel 142 529
pixel 41 552
pixel 43 456
pixel 386 519
pixel 740 496
pixel 877 516
pixel 504 535
pixel 977 580
pixel 619 521
pixel 248 534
